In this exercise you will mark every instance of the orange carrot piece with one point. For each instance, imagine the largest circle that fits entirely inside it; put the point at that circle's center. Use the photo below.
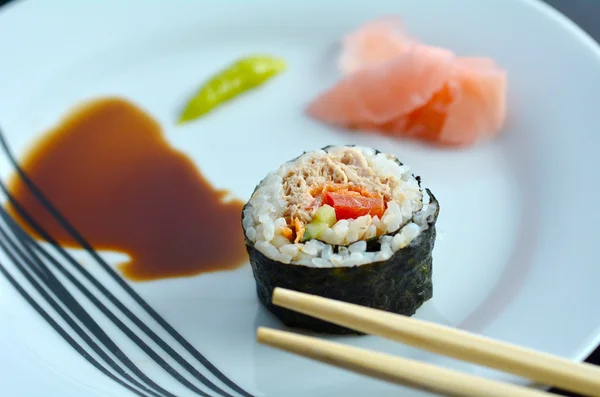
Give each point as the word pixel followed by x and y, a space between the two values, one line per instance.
pixel 351 204
pixel 287 233
pixel 299 230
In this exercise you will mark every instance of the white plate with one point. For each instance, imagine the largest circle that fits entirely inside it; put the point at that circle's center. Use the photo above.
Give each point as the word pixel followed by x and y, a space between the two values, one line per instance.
pixel 519 215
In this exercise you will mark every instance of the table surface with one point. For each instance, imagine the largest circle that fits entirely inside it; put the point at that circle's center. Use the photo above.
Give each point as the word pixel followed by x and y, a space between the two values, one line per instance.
pixel 586 13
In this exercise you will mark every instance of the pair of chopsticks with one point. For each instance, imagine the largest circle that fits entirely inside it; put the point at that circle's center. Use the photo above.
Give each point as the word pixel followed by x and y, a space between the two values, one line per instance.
pixel 540 367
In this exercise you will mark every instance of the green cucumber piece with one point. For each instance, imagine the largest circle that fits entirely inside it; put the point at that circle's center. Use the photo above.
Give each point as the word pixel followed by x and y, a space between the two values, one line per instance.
pixel 325 214
pixel 314 230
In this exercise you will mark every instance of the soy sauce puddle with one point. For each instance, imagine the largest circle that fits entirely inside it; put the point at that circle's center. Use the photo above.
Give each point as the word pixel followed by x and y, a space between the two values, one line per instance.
pixel 108 169
pixel 39 267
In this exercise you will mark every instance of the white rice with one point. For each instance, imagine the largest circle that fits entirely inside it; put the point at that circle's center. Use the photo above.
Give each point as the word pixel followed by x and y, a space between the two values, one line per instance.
pixel 405 218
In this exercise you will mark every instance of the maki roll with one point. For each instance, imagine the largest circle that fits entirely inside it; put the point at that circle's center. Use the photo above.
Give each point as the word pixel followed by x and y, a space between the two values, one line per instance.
pixel 343 222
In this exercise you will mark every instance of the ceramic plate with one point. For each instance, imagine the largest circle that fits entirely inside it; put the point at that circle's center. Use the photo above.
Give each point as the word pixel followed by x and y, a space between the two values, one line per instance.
pixel 516 255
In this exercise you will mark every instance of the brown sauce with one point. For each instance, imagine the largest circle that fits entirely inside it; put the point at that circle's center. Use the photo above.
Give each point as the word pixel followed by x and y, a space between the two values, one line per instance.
pixel 108 169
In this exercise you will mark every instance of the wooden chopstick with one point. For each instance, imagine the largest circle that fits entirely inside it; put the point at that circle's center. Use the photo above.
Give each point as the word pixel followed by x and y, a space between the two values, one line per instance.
pixel 398 370
pixel 541 367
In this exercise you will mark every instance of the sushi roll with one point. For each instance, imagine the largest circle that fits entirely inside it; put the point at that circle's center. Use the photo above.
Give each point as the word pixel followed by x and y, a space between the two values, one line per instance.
pixel 343 222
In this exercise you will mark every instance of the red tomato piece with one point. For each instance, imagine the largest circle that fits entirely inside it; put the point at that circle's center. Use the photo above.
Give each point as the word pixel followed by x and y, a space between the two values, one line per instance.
pixel 351 205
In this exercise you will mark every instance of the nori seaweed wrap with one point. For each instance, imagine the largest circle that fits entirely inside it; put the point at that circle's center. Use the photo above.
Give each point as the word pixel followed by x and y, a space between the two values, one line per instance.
pixel 343 222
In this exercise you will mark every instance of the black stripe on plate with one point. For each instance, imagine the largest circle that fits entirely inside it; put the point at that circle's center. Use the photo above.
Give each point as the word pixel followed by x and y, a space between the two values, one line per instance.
pixel 32 246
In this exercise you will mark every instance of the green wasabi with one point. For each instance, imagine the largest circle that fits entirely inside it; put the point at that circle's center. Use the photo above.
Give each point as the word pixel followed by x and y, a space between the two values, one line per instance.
pixel 243 75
